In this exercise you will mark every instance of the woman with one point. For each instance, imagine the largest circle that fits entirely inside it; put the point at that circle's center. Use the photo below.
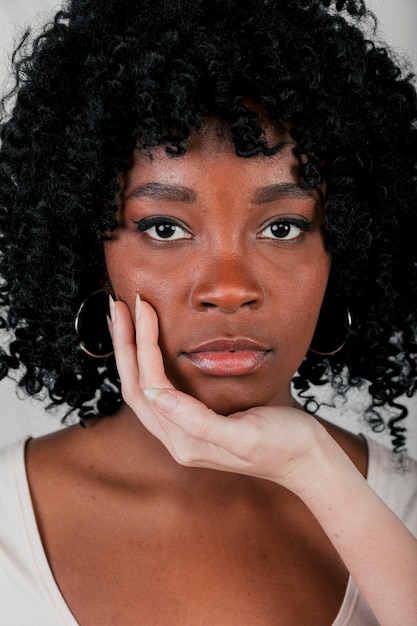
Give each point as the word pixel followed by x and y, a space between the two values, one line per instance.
pixel 240 181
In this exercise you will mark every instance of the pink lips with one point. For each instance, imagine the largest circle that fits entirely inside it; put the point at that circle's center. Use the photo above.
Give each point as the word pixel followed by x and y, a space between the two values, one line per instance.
pixel 228 357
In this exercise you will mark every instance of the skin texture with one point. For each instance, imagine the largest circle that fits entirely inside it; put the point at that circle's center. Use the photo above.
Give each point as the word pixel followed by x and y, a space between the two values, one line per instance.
pixel 225 276
pixel 207 474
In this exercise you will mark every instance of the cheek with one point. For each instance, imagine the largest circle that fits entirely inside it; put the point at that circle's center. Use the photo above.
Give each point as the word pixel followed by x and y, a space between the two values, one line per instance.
pixel 129 275
pixel 304 303
pixel 312 296
pixel 316 288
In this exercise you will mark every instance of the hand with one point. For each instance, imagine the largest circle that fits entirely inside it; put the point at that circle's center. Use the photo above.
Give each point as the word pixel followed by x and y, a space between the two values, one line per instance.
pixel 273 443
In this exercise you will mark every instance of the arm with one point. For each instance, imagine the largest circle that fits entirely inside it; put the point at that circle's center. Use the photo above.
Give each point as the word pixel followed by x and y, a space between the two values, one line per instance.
pixel 286 446
pixel 377 549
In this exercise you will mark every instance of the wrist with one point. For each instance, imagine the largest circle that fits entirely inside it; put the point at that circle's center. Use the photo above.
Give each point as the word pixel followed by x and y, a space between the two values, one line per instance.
pixel 314 472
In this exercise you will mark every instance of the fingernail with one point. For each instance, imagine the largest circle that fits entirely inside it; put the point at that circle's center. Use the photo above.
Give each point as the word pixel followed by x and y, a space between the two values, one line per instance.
pixel 110 326
pixel 138 306
pixel 112 309
pixel 162 399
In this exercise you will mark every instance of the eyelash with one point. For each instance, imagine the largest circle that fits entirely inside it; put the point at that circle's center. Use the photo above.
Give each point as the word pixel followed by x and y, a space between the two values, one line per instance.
pixel 302 225
pixel 146 224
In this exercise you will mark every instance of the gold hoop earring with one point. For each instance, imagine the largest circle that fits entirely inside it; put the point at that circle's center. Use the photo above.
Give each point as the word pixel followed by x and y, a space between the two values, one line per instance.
pixel 90 324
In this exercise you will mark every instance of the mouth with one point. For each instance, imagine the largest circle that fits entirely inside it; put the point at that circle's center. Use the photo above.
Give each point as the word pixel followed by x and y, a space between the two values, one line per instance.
pixel 228 357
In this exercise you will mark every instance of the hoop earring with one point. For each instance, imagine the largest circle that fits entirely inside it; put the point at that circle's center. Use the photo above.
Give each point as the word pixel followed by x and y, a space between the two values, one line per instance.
pixel 333 324
pixel 91 325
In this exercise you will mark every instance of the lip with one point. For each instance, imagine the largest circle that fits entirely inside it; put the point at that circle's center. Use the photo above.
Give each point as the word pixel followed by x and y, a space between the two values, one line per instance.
pixel 228 357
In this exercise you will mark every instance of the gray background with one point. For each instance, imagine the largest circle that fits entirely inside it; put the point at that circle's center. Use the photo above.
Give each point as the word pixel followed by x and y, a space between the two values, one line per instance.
pixel 19 417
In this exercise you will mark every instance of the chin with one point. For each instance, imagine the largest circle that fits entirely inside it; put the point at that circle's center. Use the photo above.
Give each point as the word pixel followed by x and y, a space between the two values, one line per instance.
pixel 226 397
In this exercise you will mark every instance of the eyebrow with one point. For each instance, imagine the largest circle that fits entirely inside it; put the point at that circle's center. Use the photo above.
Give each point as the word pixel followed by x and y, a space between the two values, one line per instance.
pixel 162 191
pixel 178 193
pixel 281 190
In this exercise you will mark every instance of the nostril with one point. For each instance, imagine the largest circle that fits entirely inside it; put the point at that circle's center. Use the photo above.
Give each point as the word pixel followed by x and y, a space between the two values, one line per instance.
pixel 228 290
pixel 228 306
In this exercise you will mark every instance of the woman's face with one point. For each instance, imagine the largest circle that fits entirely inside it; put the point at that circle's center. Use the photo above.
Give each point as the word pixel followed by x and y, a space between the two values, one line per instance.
pixel 230 253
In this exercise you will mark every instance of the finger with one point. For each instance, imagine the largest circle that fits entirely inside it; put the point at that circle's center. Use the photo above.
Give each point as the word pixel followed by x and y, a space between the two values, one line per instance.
pixel 201 423
pixel 198 437
pixel 149 356
pixel 123 333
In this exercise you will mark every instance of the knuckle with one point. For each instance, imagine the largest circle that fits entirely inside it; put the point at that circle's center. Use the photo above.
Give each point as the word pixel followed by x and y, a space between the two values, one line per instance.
pixel 183 458
pixel 128 395
pixel 251 446
pixel 202 428
pixel 184 454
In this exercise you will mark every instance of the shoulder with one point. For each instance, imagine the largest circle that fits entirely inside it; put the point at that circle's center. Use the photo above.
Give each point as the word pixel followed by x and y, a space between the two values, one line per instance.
pixel 395 481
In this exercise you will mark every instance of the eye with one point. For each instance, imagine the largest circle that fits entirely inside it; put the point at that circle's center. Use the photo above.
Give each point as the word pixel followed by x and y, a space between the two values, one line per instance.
pixel 161 228
pixel 286 229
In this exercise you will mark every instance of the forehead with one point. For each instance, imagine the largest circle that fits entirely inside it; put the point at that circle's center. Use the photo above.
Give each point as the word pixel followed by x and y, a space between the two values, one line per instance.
pixel 210 155
pixel 211 172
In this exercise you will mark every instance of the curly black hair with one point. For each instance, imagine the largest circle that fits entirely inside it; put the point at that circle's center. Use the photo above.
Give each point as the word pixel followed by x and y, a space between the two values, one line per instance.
pixel 108 76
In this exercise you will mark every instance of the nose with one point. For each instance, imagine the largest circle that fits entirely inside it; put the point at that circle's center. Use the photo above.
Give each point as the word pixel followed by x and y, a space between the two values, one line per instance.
pixel 227 284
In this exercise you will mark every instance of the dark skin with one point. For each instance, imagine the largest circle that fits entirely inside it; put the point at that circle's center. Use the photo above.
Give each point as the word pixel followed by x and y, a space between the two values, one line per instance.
pixel 131 535
pixel 223 274
pixel 134 538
